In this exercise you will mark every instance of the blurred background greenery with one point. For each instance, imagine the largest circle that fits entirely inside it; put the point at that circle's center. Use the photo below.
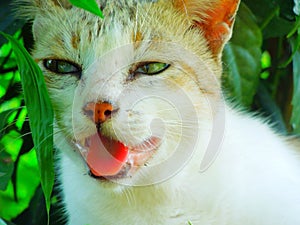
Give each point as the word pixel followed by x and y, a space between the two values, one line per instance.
pixel 261 72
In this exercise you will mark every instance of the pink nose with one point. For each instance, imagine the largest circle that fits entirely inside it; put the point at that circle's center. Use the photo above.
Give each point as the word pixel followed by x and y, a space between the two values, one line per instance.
pixel 98 112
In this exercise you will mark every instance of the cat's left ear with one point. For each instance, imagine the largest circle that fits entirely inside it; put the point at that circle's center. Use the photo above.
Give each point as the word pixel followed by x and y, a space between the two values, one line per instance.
pixel 214 17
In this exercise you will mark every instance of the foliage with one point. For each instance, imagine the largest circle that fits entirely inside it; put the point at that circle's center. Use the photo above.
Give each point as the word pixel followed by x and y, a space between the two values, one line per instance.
pixel 262 61
pixel 262 72
pixel 242 58
pixel 40 112
pixel 89 5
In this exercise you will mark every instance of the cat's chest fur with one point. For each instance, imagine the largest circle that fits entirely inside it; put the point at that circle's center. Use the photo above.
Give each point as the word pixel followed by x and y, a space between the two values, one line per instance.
pixel 143 133
pixel 250 182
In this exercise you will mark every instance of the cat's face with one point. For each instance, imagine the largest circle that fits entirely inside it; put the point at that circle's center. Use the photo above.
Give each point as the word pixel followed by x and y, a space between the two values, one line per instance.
pixel 130 92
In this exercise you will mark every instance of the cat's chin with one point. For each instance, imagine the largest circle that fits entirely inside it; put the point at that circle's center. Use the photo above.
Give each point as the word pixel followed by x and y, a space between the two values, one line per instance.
pixel 111 160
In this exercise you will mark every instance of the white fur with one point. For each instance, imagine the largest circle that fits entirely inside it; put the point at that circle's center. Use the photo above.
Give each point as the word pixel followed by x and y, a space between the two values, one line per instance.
pixel 254 180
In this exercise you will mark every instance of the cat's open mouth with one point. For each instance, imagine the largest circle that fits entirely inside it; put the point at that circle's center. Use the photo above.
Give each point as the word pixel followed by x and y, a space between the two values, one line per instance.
pixel 110 159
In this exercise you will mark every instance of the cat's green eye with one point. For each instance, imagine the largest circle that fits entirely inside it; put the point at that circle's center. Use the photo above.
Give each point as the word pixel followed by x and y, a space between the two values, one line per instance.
pixel 61 66
pixel 152 68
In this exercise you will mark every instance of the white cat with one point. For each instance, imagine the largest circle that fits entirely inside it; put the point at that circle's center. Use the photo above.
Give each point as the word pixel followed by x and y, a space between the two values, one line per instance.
pixel 138 103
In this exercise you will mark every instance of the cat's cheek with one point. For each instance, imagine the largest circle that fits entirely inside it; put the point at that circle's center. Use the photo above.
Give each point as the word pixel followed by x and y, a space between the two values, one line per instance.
pixel 62 99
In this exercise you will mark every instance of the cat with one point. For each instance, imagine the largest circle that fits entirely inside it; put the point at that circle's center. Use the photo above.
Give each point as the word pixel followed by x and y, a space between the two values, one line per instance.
pixel 143 132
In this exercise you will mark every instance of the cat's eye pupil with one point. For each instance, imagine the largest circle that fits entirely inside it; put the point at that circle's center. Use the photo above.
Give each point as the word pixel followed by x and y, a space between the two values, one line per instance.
pixel 146 68
pixel 51 64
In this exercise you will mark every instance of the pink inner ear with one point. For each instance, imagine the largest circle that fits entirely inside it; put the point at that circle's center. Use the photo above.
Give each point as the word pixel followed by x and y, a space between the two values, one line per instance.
pixel 218 25
pixel 106 157
pixel 216 21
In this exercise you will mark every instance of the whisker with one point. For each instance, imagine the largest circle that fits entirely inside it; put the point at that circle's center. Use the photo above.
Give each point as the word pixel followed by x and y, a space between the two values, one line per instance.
pixel 185 9
pixel 130 197
pixel 136 23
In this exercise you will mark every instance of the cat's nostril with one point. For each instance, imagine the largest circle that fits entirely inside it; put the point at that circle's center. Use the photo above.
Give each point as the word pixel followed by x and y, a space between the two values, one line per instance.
pixel 98 112
pixel 107 113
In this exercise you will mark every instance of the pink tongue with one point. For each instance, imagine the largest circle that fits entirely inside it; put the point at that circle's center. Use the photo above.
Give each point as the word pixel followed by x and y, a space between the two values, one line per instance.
pixel 106 157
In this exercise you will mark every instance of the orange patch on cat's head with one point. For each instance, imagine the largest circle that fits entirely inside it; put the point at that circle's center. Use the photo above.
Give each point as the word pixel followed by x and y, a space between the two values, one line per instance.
pixel 62 3
pixel 75 39
pixel 214 18
pixel 137 38
pixel 218 25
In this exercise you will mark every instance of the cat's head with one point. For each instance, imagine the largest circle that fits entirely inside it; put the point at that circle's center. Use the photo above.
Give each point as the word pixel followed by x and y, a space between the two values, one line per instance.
pixel 132 91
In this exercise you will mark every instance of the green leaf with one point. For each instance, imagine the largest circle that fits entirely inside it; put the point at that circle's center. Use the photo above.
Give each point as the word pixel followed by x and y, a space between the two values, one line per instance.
pixel 270 108
pixel 27 181
pixel 3 120
pixel 40 114
pixel 89 5
pixel 6 168
pixel 295 43
pixel 242 58
pixel 295 120
pixel 278 27
pixel 276 18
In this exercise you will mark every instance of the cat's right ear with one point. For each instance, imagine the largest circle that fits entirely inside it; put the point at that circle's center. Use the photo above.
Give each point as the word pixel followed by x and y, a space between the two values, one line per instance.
pixel 34 10
pixel 215 18
pixel 43 4
pixel 29 8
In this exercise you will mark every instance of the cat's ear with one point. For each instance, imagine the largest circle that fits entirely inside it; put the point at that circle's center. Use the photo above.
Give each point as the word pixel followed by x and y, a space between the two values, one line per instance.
pixel 36 8
pixel 29 9
pixel 214 17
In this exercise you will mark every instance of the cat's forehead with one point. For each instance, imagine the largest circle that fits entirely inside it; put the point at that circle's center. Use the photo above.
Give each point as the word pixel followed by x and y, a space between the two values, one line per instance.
pixel 108 5
pixel 119 12
pixel 140 17
pixel 80 36
pixel 104 3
